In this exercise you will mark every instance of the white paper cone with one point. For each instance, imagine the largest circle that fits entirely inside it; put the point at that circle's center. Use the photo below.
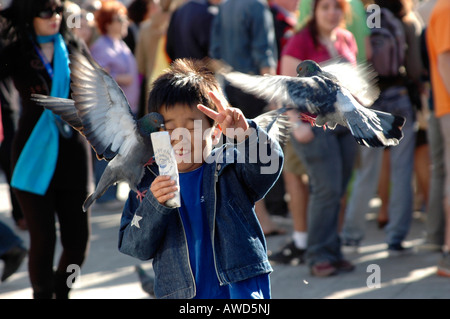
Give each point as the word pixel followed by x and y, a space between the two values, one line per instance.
pixel 167 163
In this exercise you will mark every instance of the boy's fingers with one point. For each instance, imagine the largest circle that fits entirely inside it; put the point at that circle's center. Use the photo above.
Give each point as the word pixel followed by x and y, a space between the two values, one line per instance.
pixel 218 102
pixel 208 112
pixel 165 198
pixel 161 178
pixel 163 192
pixel 162 185
pixel 228 121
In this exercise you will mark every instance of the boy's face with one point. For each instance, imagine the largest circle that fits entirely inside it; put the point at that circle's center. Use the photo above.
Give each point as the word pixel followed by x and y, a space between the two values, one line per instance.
pixel 191 134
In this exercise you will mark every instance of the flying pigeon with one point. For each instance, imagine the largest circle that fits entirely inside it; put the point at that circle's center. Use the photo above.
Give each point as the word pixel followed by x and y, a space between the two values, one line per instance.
pixel 276 124
pixel 326 97
pixel 100 111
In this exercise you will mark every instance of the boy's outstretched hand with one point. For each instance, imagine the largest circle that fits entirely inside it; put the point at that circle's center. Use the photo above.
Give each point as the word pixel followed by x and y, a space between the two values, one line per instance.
pixel 231 120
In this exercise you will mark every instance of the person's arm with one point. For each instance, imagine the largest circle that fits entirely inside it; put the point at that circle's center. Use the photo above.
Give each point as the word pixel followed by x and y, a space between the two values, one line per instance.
pixel 142 226
pixel 124 79
pixel 413 61
pixel 258 158
pixel 171 36
pixel 214 40
pixel 443 64
pixel 263 44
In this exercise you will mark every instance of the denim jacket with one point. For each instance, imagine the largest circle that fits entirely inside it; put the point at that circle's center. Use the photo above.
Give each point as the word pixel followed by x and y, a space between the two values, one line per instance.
pixel 232 182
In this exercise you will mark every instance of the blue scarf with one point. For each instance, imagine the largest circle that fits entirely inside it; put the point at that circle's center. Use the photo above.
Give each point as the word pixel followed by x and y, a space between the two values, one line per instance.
pixel 37 162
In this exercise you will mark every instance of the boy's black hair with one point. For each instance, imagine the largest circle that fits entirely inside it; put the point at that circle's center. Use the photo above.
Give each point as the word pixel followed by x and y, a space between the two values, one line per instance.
pixel 188 82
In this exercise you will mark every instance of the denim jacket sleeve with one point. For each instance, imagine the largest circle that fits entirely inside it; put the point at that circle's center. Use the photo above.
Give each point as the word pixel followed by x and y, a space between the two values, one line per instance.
pixel 259 161
pixel 143 225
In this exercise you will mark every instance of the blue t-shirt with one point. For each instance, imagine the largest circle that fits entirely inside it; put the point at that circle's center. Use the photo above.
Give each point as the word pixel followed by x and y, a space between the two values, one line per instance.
pixel 201 258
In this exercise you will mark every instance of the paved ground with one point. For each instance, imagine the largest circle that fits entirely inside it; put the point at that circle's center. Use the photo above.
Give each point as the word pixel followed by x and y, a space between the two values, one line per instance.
pixel 108 274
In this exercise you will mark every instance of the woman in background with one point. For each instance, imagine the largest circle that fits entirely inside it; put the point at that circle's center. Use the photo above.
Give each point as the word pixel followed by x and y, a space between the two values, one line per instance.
pixel 327 155
pixel 37 62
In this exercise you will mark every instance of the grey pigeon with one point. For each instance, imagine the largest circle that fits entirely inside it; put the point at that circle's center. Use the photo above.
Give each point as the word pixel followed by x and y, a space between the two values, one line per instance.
pixel 276 124
pixel 147 281
pixel 100 111
pixel 328 96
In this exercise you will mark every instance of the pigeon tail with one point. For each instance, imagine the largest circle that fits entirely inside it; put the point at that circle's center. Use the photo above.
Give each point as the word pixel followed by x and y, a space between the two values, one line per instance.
pixel 88 202
pixel 391 125
pixel 381 131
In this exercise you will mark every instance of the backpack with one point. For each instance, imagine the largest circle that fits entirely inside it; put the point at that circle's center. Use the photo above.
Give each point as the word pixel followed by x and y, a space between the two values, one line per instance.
pixel 388 45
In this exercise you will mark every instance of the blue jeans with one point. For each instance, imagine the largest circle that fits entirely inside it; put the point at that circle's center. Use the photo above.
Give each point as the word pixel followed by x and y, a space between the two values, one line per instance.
pixel 8 239
pixel 400 207
pixel 329 160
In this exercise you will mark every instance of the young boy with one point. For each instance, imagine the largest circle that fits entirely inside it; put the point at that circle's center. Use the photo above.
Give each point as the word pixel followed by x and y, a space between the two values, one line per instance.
pixel 212 246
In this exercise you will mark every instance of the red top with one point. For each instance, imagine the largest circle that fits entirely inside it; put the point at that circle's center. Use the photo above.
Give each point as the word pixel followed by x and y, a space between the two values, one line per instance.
pixel 301 46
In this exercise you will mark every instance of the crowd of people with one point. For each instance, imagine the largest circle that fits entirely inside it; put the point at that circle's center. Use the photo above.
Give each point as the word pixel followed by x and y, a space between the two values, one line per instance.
pixel 327 180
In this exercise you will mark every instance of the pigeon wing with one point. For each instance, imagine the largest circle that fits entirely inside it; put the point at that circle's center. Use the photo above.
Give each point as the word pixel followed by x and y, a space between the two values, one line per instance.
pixel 367 127
pixel 108 123
pixel 65 108
pixel 307 94
pixel 359 80
pixel 275 124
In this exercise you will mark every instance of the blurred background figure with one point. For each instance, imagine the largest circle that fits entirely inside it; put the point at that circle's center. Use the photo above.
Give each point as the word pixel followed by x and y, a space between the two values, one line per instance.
pixel 285 15
pixel 138 12
pixel 150 50
pixel 10 111
pixel 438 44
pixel 86 29
pixel 396 72
pixel 12 251
pixel 328 156
pixel 35 57
pixel 112 53
pixel 189 31
pixel 435 216
pixel 243 36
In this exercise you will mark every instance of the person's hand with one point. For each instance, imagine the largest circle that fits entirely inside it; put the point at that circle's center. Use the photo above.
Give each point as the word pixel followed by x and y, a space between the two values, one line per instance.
pixel 303 132
pixel 163 188
pixel 231 120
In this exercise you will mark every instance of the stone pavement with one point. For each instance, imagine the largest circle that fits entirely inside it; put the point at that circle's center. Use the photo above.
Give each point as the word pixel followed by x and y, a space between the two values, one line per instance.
pixel 108 274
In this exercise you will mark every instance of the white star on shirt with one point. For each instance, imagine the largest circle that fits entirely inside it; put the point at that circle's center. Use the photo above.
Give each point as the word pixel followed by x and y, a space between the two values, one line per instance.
pixel 135 221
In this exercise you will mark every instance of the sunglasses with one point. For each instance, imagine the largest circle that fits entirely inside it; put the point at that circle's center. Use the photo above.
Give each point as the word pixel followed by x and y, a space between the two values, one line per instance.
pixel 49 12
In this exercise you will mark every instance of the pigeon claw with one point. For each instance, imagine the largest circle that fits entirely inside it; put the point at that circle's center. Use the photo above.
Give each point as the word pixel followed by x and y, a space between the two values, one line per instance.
pixel 140 195
pixel 311 120
pixel 150 161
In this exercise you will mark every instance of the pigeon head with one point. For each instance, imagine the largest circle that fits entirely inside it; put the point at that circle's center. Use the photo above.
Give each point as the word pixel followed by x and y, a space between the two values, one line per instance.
pixel 151 122
pixel 308 68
